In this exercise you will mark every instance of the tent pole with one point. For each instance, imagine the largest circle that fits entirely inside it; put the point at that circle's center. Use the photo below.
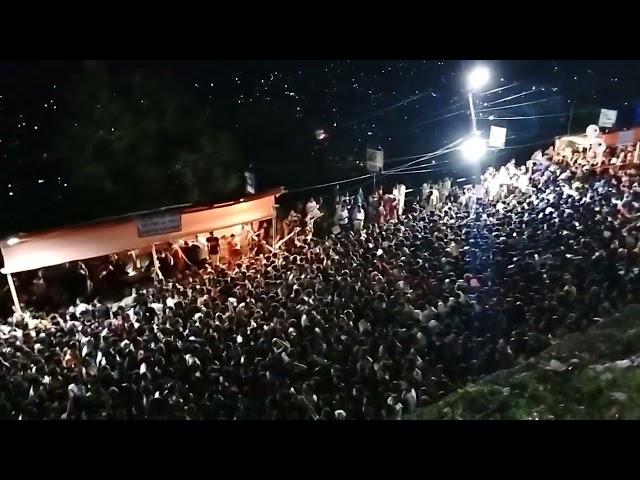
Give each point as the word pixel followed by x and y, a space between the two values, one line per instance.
pixel 273 221
pixel 14 294
pixel 155 263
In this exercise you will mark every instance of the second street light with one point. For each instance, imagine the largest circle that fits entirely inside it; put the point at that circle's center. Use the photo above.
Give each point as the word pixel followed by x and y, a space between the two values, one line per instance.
pixel 474 148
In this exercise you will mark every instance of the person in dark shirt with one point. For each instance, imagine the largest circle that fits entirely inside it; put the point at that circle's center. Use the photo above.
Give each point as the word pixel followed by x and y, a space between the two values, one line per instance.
pixel 234 251
pixel 213 243
pixel 193 253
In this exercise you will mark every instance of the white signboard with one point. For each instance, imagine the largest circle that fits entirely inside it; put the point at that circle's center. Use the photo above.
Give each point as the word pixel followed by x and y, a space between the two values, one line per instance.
pixel 626 137
pixel 607 117
pixel 375 160
pixel 250 184
pixel 497 137
pixel 150 225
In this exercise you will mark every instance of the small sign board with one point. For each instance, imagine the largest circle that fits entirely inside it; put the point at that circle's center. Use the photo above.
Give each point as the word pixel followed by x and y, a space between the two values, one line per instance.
pixel 157 224
pixel 375 160
pixel 607 118
pixel 497 136
pixel 626 137
pixel 250 182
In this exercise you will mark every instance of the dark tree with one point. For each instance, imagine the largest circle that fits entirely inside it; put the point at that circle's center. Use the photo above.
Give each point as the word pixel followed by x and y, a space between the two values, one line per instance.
pixel 135 142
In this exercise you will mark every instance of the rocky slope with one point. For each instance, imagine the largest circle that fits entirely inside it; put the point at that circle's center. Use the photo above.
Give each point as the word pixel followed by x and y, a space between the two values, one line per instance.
pixel 585 376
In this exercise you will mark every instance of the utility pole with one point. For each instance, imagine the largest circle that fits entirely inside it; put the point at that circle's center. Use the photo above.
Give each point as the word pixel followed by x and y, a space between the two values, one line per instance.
pixel 474 127
pixel 273 226
pixel 570 118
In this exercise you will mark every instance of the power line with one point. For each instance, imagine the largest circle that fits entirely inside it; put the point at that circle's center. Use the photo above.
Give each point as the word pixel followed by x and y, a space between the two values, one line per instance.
pixel 444 109
pixel 441 151
pixel 426 165
pixel 526 92
pixel 392 159
pixel 409 168
pixel 337 182
pixel 430 120
pixel 417 171
pixel 518 104
pixel 408 129
pixel 412 164
pixel 382 110
pixel 466 110
pixel 524 118
pixel 327 184
pixel 437 118
pixel 500 88
pixel 444 150
pixel 520 82
pixel 402 168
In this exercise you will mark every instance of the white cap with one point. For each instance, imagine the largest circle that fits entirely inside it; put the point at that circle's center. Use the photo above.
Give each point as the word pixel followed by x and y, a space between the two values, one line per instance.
pixel 340 414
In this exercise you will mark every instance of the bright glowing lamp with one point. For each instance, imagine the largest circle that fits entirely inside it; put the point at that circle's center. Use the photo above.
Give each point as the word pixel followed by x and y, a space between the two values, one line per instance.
pixel 474 148
pixel 13 241
pixel 478 78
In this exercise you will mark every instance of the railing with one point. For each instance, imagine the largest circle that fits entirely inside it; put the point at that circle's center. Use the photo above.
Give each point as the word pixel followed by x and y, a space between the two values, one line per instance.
pixel 616 168
pixel 602 169
pixel 609 169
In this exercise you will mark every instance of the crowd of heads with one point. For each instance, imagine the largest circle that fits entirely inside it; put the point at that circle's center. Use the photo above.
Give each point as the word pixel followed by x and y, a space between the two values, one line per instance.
pixel 365 323
pixel 583 158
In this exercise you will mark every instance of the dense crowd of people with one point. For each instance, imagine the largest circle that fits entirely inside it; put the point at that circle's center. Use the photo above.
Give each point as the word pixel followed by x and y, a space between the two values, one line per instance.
pixel 389 312
pixel 584 158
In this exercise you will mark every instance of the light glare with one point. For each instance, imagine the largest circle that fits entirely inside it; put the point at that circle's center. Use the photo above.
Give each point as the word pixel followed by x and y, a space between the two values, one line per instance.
pixel 478 77
pixel 473 149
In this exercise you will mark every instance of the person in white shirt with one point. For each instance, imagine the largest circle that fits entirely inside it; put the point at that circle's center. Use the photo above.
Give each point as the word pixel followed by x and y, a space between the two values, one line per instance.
pixel 454 246
pixel 311 206
pixel 77 393
pixel 81 307
pixel 358 218
pixel 313 212
pixel 424 193
pixel 469 199
pixel 343 217
pixel 434 200
pixel 204 248
pixel 446 188
pixel 523 180
pixel 410 398
pixel 171 301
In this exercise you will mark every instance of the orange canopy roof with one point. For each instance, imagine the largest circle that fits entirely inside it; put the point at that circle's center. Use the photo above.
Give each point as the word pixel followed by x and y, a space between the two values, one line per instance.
pixel 102 237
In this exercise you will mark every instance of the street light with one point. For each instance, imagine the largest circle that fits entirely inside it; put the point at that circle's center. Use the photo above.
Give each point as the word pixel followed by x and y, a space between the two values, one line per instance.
pixel 474 148
pixel 478 77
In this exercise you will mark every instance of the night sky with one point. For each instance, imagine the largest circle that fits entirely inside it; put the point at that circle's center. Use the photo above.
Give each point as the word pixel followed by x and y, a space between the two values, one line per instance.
pixel 404 107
